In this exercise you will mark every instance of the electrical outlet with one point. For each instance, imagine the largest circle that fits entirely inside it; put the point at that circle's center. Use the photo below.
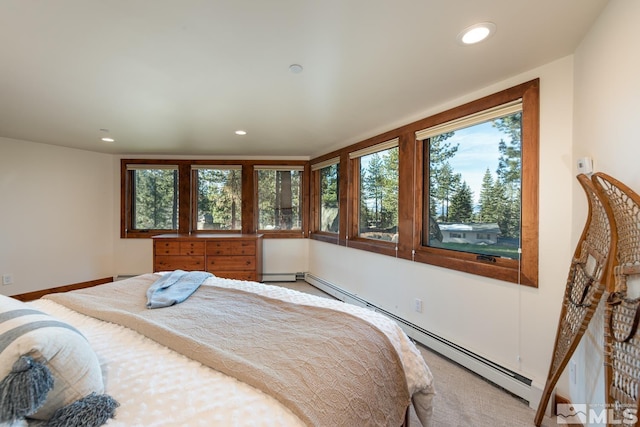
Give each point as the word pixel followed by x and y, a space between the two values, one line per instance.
pixel 417 305
pixel 7 279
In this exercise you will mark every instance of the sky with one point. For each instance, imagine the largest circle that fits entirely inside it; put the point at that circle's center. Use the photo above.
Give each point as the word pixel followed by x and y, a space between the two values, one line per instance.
pixel 477 151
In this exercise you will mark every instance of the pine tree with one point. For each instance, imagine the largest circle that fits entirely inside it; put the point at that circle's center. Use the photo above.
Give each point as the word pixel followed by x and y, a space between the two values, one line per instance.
pixel 461 208
pixel 156 199
pixel 438 152
pixel 448 182
pixel 486 202
pixel 390 164
pixel 372 187
pixel 509 173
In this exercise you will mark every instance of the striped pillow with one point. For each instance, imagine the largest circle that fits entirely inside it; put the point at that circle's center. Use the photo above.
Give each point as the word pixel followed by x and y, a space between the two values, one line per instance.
pixel 55 344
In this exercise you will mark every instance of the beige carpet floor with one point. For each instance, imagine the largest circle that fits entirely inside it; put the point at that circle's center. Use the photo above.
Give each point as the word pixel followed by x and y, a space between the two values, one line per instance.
pixel 462 398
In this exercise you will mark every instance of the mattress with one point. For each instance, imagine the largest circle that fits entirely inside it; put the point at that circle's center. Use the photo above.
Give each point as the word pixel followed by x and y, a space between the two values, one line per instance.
pixel 156 386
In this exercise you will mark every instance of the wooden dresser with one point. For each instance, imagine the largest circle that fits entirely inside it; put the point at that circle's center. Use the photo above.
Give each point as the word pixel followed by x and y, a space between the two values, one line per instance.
pixel 233 256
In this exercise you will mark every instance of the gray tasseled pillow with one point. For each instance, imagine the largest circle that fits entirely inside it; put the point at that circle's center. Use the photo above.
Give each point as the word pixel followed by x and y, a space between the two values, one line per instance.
pixel 47 365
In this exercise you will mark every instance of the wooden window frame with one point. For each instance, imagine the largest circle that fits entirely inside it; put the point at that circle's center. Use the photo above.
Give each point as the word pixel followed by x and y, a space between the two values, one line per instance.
pixel 525 270
pixel 303 232
pixel 126 194
pixel 316 199
pixel 353 217
pixel 314 230
pixel 410 194
pixel 187 193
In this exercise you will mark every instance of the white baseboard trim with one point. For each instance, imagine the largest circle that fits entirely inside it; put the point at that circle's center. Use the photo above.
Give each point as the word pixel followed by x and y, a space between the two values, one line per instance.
pixel 511 381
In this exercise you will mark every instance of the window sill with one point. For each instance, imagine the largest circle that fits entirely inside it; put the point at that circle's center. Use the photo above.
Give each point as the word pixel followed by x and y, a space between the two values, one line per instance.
pixel 508 270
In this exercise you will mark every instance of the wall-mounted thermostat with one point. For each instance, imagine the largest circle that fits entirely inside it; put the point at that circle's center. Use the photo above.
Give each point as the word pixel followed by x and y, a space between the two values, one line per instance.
pixel 585 165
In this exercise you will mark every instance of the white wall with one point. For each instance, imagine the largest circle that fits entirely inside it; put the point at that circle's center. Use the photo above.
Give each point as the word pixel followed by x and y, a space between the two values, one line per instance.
pixel 509 324
pixel 607 92
pixel 56 215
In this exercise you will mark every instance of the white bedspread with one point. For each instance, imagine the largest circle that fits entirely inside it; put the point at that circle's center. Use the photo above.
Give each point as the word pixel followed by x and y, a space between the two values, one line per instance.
pixel 159 387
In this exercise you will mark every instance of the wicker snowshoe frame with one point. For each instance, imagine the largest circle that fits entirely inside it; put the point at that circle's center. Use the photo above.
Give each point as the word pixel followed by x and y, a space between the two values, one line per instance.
pixel 584 288
pixel 622 341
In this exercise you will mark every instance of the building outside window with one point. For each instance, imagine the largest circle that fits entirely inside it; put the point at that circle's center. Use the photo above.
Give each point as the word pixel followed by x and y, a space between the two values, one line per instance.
pixel 279 197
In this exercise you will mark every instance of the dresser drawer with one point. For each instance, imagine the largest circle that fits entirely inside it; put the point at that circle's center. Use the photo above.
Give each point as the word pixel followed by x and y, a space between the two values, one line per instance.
pixel 178 262
pixel 191 248
pixel 226 247
pixel 238 275
pixel 227 262
pixel 167 248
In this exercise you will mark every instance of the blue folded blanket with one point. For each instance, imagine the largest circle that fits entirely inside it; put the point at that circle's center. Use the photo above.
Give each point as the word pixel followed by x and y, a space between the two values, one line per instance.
pixel 174 287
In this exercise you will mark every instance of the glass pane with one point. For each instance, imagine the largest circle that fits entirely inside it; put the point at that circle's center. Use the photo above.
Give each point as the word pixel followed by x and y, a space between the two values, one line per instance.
pixel 156 199
pixel 219 199
pixel 329 209
pixel 379 195
pixel 475 188
pixel 279 200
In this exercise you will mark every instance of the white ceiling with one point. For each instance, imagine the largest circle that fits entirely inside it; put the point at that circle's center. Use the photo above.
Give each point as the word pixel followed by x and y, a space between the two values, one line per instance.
pixel 180 76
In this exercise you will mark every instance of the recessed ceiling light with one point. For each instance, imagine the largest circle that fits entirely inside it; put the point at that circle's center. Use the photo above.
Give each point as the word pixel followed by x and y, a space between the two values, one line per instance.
pixel 106 138
pixel 241 132
pixel 295 68
pixel 476 33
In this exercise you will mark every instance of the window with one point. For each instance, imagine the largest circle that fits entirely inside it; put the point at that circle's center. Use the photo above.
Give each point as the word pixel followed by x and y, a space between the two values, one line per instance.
pixel 475 180
pixel 429 194
pixel 218 198
pixel 480 176
pixel 279 198
pixel 202 197
pixel 326 176
pixel 376 192
pixel 379 195
pixel 154 198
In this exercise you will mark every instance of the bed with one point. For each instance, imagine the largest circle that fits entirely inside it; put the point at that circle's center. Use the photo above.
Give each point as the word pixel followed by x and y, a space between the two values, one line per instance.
pixel 156 385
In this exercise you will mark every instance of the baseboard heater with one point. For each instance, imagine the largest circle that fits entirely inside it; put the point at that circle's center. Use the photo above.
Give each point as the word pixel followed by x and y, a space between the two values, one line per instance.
pixel 499 375
pixel 278 277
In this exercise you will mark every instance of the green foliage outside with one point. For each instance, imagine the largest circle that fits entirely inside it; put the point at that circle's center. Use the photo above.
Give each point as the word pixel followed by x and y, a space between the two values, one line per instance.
pixel 155 200
pixel 219 199
pixel 379 195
